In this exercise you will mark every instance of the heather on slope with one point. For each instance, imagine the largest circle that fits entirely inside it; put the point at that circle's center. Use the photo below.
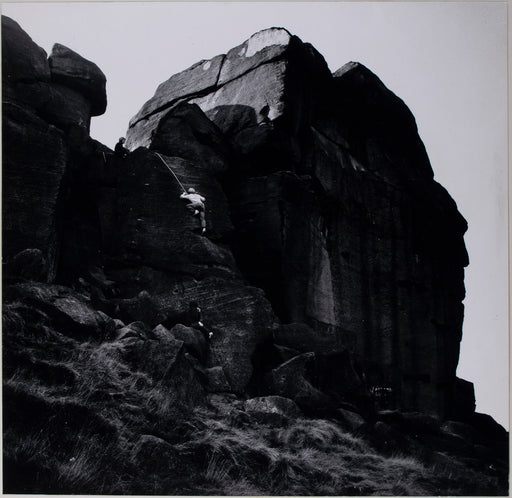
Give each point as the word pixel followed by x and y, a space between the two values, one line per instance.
pixel 79 418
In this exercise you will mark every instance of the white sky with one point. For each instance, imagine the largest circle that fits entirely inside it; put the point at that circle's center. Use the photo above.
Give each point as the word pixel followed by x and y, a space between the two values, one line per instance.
pixel 447 61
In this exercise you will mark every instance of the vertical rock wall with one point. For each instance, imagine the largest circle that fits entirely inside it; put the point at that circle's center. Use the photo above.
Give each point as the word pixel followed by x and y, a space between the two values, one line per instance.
pixel 335 210
pixel 319 192
pixel 47 108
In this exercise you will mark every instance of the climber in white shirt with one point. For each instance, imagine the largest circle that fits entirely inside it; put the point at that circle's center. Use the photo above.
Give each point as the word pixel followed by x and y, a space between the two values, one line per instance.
pixel 195 206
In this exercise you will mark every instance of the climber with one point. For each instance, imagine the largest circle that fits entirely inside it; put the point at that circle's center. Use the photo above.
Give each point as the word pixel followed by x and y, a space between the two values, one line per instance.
pixel 195 206
pixel 190 318
pixel 196 320
pixel 120 150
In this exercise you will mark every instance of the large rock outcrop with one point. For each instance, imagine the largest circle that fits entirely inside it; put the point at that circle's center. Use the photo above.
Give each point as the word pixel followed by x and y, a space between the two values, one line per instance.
pixel 336 214
pixel 45 128
pixel 330 275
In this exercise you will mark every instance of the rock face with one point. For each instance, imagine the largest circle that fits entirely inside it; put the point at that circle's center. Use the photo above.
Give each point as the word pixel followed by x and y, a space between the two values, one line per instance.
pixel 329 282
pixel 46 116
pixel 336 214
pixel 73 71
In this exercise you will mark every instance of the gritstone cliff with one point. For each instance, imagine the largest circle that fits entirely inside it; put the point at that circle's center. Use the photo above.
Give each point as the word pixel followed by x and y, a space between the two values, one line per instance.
pixel 334 208
pixel 332 273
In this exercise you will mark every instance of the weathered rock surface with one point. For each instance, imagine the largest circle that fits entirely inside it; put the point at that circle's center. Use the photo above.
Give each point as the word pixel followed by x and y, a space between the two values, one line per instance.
pixel 29 264
pixel 247 96
pixel 153 227
pixel 331 273
pixel 45 129
pixel 74 71
pixel 335 211
pixel 192 338
pixel 31 187
pixel 290 380
pixel 152 454
pixel 301 169
pixel 239 316
pixel 57 104
pixel 22 59
pixel 272 408
pixel 186 132
pixel 139 330
pixel 69 310
pixel 351 420
pixel 217 381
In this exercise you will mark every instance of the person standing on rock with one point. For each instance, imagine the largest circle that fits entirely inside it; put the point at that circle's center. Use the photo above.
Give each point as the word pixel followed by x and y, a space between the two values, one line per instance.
pixel 120 150
pixel 196 206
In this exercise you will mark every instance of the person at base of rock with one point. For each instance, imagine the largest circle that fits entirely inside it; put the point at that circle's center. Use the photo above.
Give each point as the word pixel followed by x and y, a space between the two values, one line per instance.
pixel 120 150
pixel 190 318
pixel 196 320
pixel 195 206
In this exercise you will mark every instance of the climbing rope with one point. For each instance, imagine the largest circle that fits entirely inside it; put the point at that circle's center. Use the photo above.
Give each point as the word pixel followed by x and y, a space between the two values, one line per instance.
pixel 169 168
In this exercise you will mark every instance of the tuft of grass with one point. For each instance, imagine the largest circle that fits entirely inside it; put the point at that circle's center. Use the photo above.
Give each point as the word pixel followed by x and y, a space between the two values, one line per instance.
pixel 12 321
pixel 218 469
pixel 319 434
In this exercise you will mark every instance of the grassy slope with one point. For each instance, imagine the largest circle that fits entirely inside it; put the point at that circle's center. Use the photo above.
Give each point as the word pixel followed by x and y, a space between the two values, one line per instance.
pixel 79 419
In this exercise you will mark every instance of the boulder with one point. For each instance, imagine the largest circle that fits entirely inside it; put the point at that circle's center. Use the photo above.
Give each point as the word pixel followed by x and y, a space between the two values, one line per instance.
pixel 321 382
pixel 22 59
pixel 487 428
pixel 217 381
pixel 334 374
pixel 134 329
pixel 152 454
pixel 186 132
pixel 459 429
pixel 139 308
pixel 160 332
pixel 413 423
pixel 193 339
pixel 165 362
pixel 239 316
pixel 71 313
pixel 74 71
pixel 29 264
pixel 350 420
pixel 272 409
pixel 290 380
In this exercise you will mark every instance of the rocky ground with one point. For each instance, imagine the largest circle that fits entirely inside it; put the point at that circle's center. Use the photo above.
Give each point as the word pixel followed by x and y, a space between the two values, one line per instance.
pixel 94 406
